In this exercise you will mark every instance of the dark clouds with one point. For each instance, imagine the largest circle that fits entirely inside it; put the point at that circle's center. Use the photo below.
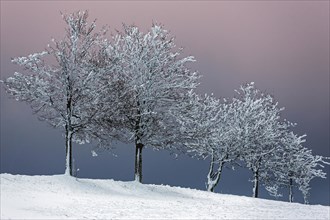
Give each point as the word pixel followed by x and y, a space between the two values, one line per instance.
pixel 282 46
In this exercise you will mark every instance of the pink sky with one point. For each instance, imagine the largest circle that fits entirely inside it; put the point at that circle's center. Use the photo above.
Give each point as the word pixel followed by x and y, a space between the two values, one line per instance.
pixel 283 46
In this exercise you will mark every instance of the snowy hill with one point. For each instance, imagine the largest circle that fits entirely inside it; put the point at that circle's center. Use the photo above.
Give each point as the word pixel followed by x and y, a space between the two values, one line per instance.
pixel 63 197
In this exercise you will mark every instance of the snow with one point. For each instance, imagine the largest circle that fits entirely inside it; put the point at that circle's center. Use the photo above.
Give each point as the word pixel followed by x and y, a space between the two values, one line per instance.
pixel 65 197
pixel 94 154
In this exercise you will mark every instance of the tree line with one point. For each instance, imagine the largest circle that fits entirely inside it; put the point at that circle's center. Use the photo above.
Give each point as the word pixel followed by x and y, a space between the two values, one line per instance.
pixel 138 88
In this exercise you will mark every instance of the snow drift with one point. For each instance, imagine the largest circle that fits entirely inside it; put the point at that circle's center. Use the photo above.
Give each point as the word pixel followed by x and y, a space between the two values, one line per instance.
pixel 65 197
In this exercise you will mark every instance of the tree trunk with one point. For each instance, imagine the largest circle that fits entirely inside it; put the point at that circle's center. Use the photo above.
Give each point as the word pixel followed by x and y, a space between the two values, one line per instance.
pixel 290 191
pixel 138 162
pixel 306 199
pixel 68 160
pixel 68 130
pixel 210 186
pixel 213 178
pixel 138 146
pixel 255 184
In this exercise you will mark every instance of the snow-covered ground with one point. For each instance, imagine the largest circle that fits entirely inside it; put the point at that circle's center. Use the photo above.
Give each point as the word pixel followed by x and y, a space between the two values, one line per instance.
pixel 63 197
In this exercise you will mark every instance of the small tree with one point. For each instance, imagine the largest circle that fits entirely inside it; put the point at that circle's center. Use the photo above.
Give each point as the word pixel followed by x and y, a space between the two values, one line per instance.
pixel 285 165
pixel 259 130
pixel 310 170
pixel 64 91
pixel 295 166
pixel 206 130
pixel 225 148
pixel 154 78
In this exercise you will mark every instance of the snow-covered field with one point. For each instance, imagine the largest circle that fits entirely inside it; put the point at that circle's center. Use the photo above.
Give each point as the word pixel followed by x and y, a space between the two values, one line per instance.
pixel 63 197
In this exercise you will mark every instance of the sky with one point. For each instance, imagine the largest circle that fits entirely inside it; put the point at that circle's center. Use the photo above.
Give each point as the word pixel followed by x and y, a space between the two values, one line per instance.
pixel 282 46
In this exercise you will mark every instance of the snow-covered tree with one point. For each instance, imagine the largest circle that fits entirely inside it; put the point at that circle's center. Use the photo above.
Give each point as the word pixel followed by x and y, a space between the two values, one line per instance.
pixel 295 166
pixel 259 130
pixel 311 168
pixel 207 131
pixel 198 119
pixel 61 84
pixel 285 165
pixel 155 77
